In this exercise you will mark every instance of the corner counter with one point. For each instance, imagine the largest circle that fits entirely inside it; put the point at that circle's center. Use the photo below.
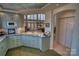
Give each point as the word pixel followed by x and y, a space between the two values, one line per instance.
pixel 34 41
pixel 16 40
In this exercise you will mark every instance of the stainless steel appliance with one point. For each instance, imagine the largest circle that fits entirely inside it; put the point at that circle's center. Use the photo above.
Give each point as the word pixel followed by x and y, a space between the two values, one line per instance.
pixel 11 27
pixel 11 31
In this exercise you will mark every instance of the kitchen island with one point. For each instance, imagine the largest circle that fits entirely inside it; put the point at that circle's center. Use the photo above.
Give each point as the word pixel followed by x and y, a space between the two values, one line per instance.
pixel 24 39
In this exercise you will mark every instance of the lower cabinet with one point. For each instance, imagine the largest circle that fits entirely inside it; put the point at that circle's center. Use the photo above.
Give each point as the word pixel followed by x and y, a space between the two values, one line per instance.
pixel 14 41
pixel 35 42
pixel 3 47
pixel 31 41
pixel 45 43
pixel 41 43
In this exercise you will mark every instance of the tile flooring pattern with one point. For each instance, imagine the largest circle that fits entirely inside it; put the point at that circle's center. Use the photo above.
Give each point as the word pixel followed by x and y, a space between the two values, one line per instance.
pixel 27 51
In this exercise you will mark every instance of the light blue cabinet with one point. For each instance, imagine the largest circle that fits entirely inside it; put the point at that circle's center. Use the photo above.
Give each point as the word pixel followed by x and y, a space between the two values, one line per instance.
pixel 14 41
pixel 45 43
pixel 35 41
pixel 25 40
pixel 41 43
pixel 31 41
pixel 0 22
pixel 3 47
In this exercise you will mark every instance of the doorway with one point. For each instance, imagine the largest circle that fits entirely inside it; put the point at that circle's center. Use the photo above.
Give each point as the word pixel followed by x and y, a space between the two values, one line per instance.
pixel 63 32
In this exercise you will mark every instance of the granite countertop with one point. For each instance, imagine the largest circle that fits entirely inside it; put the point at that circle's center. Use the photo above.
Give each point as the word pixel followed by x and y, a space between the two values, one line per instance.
pixel 39 34
pixel 33 34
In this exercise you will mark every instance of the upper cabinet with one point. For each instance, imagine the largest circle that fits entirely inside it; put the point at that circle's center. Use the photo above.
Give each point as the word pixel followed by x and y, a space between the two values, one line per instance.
pixel 4 19
pixel 9 17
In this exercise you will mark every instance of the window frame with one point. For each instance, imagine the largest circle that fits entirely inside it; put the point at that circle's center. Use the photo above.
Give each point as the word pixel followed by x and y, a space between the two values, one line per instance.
pixel 37 15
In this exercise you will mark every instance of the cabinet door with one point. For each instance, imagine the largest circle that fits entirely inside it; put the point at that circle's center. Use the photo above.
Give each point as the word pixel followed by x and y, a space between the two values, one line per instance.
pixel 3 47
pixel 18 40
pixel 0 23
pixel 5 19
pixel 14 41
pixel 45 43
pixel 34 41
pixel 24 40
pixel 31 41
pixel 69 32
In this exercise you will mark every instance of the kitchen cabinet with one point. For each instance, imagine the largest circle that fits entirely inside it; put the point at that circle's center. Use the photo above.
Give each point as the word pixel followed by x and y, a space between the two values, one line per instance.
pixel 45 43
pixel 31 41
pixel 0 23
pixel 38 42
pixel 14 41
pixel 3 47
pixel 25 40
pixel 34 41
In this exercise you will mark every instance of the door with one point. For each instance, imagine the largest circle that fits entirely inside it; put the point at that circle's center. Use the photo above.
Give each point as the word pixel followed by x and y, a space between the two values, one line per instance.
pixel 69 31
pixel 62 31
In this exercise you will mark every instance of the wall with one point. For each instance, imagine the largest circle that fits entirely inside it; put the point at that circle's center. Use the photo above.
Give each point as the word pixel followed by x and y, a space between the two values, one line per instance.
pixel 48 29
pixel 76 35
pixel 48 20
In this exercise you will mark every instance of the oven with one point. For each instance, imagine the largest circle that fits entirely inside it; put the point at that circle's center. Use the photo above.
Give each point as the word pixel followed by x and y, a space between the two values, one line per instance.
pixel 11 31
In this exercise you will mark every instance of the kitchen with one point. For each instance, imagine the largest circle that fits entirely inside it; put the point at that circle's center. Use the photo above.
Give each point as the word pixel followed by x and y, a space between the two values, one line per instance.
pixel 21 30
pixel 37 27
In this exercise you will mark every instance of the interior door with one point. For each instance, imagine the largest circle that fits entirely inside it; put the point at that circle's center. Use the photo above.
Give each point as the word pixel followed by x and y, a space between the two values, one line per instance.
pixel 69 31
pixel 62 31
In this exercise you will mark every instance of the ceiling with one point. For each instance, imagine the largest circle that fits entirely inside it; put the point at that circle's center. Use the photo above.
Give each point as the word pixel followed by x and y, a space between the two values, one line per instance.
pixel 25 8
pixel 21 6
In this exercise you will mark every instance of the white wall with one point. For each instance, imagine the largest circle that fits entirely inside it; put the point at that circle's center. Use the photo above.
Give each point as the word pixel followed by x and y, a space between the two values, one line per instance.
pixel 48 20
pixel 76 35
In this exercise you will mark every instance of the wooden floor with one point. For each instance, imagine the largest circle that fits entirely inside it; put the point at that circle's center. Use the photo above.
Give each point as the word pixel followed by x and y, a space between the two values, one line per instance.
pixel 26 51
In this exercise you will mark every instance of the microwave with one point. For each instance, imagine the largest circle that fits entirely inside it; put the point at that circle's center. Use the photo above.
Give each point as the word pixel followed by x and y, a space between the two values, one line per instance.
pixel 11 23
